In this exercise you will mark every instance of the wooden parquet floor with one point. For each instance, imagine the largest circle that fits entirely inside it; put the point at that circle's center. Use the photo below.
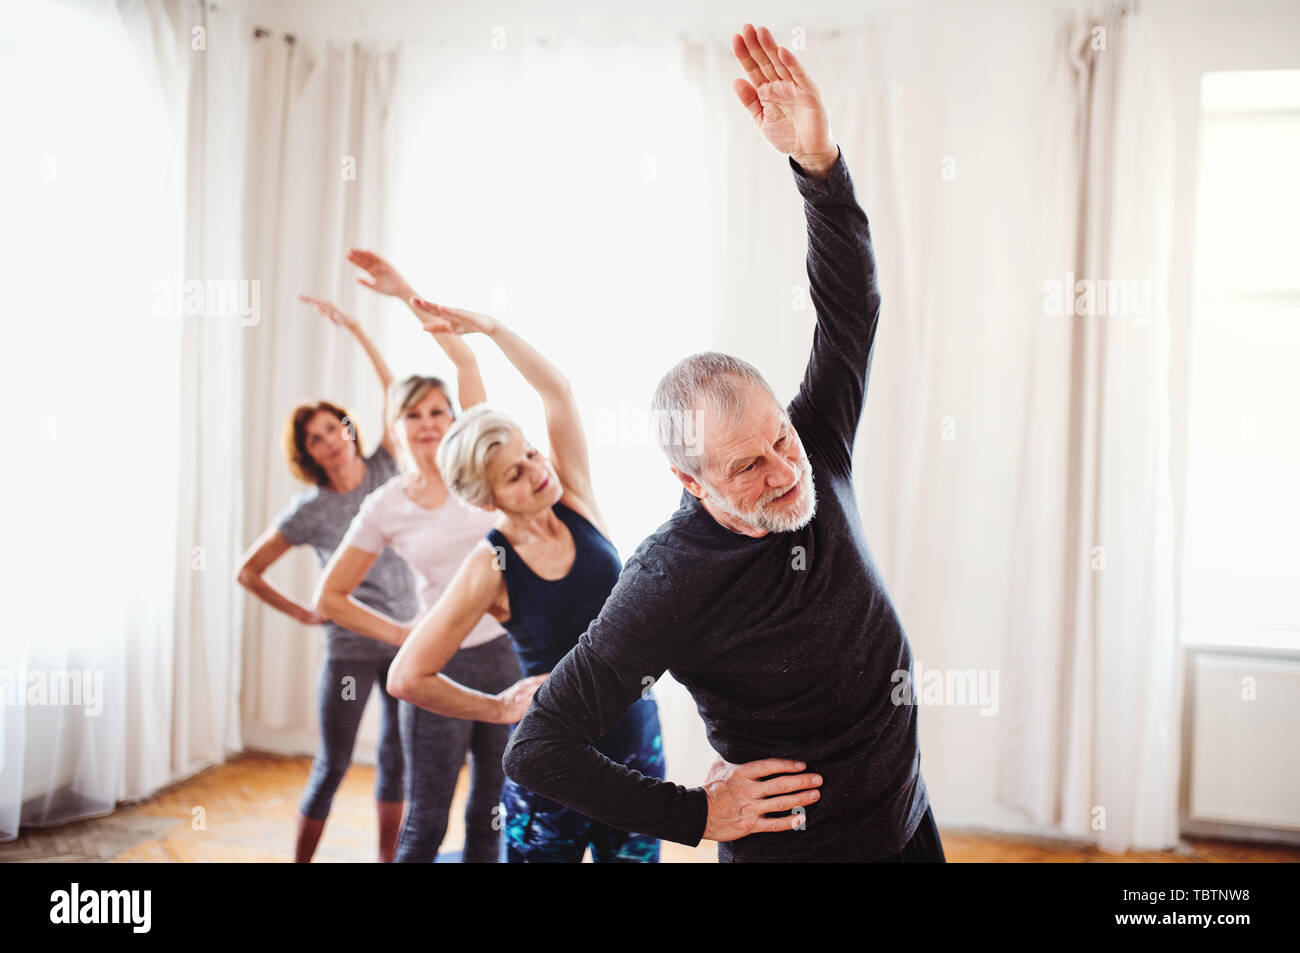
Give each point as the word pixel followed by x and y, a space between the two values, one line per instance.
pixel 248 810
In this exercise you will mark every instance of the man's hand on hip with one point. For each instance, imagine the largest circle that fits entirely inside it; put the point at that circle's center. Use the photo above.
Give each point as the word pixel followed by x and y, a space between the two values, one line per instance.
pixel 738 800
pixel 783 100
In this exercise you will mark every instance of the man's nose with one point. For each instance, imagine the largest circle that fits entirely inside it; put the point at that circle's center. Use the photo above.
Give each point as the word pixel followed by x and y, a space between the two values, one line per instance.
pixel 783 474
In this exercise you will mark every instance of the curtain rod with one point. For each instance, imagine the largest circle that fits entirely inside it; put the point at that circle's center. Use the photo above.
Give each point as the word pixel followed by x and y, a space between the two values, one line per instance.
pixel 258 31
pixel 261 31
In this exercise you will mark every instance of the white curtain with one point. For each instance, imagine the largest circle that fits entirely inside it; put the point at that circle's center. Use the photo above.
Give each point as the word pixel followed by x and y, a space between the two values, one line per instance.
pixel 1000 444
pixel 131 476
pixel 1094 690
pixel 316 179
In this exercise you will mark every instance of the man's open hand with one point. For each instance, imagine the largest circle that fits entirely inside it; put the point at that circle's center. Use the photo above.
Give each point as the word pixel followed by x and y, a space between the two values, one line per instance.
pixel 738 800
pixel 784 101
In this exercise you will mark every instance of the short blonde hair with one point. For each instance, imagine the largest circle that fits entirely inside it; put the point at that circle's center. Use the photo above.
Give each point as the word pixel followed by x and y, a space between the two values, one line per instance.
pixel 466 448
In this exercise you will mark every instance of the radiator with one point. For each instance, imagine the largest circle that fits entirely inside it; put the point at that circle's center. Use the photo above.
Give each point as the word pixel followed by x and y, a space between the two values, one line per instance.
pixel 1245 734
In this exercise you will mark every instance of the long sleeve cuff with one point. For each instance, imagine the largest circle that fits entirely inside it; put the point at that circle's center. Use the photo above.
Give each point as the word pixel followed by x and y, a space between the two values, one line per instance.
pixel 835 184
pixel 698 806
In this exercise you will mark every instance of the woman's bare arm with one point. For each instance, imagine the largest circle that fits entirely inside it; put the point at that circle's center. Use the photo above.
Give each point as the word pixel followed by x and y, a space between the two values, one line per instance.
pixel 387 280
pixel 564 428
pixel 334 598
pixel 344 320
pixel 269 547
pixel 415 675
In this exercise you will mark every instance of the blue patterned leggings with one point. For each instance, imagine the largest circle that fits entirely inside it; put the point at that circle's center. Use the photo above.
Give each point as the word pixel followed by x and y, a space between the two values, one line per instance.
pixel 539 830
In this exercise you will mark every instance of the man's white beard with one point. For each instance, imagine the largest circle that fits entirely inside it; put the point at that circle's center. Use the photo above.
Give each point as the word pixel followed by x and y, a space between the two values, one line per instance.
pixel 776 521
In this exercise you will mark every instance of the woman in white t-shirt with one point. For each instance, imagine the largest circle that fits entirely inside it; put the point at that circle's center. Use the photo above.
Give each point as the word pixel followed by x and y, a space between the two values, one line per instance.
pixel 416 516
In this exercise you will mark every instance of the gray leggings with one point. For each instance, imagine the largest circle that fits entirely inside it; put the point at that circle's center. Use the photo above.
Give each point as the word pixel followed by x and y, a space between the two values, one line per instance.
pixel 435 748
pixel 341 706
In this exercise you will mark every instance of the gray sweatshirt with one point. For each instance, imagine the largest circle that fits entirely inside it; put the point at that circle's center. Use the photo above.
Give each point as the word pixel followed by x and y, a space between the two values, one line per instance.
pixel 788 643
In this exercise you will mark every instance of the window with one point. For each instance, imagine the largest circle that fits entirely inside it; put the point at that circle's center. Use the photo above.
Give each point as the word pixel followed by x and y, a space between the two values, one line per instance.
pixel 1241 581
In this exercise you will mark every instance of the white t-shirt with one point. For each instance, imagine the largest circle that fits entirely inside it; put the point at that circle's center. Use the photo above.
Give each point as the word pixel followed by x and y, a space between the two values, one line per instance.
pixel 433 543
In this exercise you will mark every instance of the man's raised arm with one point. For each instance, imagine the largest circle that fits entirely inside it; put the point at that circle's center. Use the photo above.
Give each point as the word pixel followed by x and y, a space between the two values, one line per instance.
pixel 842 279
pixel 787 108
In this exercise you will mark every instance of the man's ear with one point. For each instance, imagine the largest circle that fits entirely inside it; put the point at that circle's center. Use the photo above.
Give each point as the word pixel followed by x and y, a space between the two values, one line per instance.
pixel 693 486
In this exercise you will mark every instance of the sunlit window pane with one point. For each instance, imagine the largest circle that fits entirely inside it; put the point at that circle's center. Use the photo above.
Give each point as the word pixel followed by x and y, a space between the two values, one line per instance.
pixel 1244 465
pixel 1249 204
pixel 1242 562
pixel 1250 90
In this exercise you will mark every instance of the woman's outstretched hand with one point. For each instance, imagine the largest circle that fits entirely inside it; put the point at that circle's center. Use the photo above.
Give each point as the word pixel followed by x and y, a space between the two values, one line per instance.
pixel 331 311
pixel 439 319
pixel 783 100
pixel 384 278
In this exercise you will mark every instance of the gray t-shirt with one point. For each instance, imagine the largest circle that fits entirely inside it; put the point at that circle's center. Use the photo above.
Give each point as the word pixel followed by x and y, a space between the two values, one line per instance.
pixel 319 517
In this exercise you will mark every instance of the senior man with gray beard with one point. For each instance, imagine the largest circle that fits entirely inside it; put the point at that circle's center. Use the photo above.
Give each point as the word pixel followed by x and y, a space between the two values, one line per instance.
pixel 759 595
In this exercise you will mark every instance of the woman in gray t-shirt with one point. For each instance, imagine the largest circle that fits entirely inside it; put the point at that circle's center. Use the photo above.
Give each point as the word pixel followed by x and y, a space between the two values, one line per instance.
pixel 324 450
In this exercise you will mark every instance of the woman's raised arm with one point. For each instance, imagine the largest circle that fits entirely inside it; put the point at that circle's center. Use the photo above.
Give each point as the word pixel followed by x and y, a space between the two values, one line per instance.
pixel 385 279
pixel 564 428
pixel 344 320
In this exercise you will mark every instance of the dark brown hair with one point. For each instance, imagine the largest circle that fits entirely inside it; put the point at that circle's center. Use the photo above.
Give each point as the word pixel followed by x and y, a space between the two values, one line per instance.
pixel 294 440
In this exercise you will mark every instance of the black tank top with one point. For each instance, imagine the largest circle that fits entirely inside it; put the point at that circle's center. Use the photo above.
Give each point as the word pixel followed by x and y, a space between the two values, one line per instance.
pixel 548 615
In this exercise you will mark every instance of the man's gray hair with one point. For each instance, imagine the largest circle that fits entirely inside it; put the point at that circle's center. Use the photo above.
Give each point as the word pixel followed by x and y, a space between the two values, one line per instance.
pixel 708 380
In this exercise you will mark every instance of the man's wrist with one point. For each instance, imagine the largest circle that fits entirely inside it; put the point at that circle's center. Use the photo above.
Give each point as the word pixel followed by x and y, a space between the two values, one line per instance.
pixel 818 166
pixel 698 795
